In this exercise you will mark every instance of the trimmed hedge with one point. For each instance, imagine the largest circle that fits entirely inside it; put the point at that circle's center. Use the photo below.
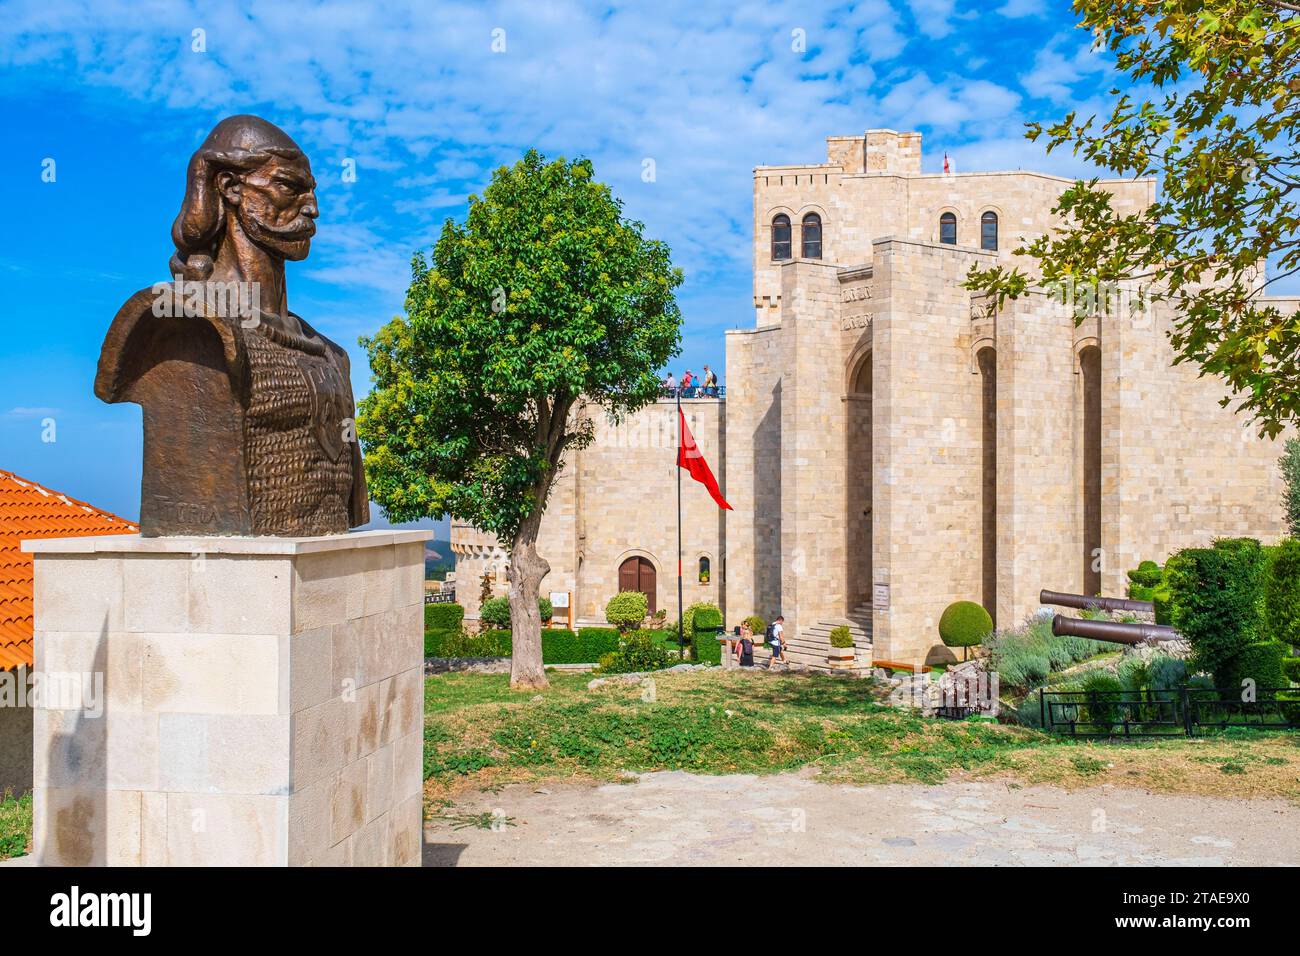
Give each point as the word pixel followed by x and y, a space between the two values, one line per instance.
pixel 841 637
pixel 705 622
pixel 1260 662
pixel 1282 594
pixel 443 617
pixel 559 645
pixel 1216 598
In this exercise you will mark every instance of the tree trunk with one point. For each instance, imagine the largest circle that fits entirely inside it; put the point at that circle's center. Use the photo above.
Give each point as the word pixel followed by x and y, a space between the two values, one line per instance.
pixel 527 568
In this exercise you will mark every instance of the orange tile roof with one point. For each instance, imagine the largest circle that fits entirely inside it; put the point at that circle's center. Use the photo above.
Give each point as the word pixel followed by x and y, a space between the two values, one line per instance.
pixel 28 510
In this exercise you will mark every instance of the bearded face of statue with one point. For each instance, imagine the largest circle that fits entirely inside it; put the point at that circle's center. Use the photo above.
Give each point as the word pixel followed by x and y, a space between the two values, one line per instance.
pixel 275 204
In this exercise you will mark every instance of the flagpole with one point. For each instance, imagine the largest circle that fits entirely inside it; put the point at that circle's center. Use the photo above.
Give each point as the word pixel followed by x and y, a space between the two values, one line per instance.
pixel 681 642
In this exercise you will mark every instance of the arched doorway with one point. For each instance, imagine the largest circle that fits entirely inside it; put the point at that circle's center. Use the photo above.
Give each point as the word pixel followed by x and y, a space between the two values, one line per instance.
pixel 638 574
pixel 858 483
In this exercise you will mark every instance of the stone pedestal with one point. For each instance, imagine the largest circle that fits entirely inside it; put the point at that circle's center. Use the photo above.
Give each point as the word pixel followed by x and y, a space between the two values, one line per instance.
pixel 234 701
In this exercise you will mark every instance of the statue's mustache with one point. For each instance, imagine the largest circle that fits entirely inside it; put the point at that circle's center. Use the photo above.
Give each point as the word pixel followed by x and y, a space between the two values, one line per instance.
pixel 303 227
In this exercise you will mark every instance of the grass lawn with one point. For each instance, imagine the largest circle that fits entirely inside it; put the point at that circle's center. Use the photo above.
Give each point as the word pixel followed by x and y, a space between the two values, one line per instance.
pixel 480 734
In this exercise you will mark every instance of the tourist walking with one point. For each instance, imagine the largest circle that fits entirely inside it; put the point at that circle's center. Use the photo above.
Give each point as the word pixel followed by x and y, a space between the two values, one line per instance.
pixel 670 384
pixel 776 637
pixel 687 379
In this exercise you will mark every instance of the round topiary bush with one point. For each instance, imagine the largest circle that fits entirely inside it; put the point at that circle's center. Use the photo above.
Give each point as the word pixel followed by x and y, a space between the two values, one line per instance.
pixel 546 609
pixel 841 636
pixel 964 624
pixel 626 610
pixel 756 624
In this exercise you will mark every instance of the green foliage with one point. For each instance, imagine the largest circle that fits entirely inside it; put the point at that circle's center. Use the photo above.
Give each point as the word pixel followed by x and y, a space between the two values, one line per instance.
pixel 1260 662
pixel 1147 583
pixel 443 617
pixel 626 610
pixel 1220 134
pixel 1290 465
pixel 1216 595
pixel 964 624
pixel 1291 669
pixel 458 642
pixel 705 619
pixel 639 652
pixel 841 637
pixel 1025 656
pixel 559 645
pixel 756 624
pixel 1282 594
pixel 495 612
pixel 587 646
pixel 15 824
pixel 1167 673
pixel 543 294
pixel 1101 711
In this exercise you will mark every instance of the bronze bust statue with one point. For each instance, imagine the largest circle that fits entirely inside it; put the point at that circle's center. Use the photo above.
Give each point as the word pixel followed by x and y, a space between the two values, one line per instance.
pixel 248 410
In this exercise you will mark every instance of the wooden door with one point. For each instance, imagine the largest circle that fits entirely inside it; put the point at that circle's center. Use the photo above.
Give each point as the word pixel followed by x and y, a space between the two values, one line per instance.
pixel 638 574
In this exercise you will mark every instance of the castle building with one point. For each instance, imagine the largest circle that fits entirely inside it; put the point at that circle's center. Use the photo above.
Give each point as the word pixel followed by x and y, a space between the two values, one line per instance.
pixel 889 447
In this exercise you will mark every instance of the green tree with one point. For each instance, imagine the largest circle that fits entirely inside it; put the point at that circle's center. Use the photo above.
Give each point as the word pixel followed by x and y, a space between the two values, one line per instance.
pixel 1220 131
pixel 1290 465
pixel 544 304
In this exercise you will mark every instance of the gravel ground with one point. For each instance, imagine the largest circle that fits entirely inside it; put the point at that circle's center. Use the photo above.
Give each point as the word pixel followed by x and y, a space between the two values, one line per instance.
pixel 680 819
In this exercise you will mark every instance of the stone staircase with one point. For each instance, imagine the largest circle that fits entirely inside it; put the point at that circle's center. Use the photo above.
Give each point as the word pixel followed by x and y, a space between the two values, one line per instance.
pixel 809 649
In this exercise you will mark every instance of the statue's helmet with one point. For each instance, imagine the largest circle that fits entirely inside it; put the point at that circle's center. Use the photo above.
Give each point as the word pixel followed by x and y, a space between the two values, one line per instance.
pixel 240 144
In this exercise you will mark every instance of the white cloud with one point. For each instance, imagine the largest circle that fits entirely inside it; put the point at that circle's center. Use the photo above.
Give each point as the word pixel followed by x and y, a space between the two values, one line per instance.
pixel 1017 9
pixel 1054 73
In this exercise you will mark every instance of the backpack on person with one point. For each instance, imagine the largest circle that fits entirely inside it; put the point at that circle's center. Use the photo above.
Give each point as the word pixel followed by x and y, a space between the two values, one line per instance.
pixel 746 652
pixel 769 634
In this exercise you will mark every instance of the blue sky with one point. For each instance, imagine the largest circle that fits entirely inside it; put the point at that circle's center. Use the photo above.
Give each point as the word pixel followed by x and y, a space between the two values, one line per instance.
pixel 413 93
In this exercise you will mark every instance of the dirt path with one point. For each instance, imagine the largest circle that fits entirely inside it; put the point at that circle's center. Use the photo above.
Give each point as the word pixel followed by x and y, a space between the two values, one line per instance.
pixel 679 819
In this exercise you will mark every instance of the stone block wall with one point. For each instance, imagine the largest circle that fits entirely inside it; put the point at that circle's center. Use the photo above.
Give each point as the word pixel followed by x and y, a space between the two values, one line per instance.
pixel 261 700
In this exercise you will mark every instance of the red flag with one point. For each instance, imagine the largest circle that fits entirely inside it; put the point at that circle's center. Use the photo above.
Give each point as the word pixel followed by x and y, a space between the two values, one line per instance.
pixel 689 457
pixel 945 162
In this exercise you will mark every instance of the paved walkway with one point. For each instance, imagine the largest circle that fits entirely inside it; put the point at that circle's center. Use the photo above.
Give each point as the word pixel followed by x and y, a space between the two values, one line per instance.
pixel 679 819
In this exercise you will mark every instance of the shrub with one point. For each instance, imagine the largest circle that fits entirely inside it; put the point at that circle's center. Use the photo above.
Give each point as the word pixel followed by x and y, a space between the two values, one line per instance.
pixel 964 624
pixel 705 620
pixel 1282 594
pixel 1215 595
pixel 1291 669
pixel 757 625
pixel 841 637
pixel 1147 583
pixel 443 617
pixel 1102 712
pixel 495 612
pixel 460 643
pixel 1024 656
pixel 1260 662
pixel 626 609
pixel 639 652
pixel 1290 465
pixel 1166 673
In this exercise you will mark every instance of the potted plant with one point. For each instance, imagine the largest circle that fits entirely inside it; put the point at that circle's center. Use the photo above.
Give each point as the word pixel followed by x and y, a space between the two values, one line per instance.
pixel 842 654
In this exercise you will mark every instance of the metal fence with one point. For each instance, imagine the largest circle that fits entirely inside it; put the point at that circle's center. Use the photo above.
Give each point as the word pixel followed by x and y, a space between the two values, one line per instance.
pixel 1165 713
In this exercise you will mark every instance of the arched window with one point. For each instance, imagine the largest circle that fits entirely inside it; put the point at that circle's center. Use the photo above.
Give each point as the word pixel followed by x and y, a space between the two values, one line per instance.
pixel 989 231
pixel 781 238
pixel 812 236
pixel 948 229
pixel 704 570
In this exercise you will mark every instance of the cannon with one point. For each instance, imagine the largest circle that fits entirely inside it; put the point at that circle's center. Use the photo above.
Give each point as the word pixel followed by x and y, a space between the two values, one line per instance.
pixel 1082 601
pixel 1113 631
